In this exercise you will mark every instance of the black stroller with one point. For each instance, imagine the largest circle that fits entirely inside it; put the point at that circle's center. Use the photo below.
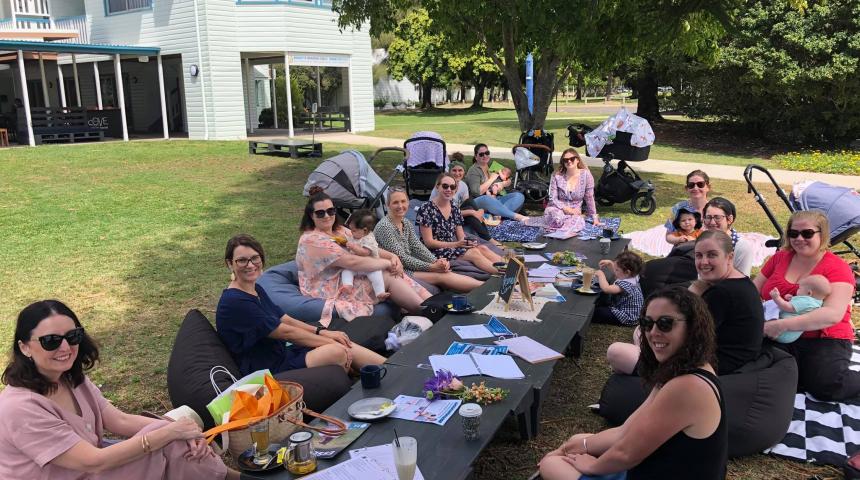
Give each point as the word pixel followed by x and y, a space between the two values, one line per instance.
pixel 352 183
pixel 426 160
pixel 622 184
pixel 532 177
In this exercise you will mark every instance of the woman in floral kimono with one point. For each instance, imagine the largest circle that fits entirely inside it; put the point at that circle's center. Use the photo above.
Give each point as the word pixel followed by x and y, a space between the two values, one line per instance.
pixel 322 254
pixel 571 195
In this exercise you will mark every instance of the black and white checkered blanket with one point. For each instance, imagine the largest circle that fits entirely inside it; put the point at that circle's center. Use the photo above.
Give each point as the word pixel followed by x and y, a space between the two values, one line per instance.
pixel 822 432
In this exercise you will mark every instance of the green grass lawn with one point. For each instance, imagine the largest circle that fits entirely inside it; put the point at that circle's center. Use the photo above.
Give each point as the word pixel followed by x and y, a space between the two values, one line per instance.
pixel 678 138
pixel 132 235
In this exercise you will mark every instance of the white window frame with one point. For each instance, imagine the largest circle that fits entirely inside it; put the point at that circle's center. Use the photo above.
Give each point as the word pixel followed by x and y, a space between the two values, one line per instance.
pixel 130 6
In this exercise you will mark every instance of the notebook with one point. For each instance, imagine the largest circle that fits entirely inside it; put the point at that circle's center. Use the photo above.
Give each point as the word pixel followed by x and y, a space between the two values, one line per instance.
pixel 530 350
pixel 464 365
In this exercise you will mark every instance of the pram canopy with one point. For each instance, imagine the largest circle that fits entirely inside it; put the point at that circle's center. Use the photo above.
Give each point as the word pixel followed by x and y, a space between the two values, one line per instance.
pixel 841 205
pixel 348 179
pixel 425 151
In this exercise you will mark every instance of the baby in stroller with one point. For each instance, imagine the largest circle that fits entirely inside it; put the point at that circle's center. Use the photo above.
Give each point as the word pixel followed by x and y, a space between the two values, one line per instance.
pixel 811 292
pixel 362 223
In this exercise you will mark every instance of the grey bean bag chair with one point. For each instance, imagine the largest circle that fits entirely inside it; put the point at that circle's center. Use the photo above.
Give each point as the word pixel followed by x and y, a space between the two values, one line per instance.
pixel 197 349
pixel 759 401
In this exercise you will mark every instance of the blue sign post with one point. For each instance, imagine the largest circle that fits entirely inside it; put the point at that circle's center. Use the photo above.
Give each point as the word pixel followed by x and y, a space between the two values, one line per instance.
pixel 530 82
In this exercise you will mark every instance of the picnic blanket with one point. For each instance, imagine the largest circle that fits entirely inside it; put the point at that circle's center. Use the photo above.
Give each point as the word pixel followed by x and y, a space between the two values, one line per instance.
pixel 514 231
pixel 653 242
pixel 822 432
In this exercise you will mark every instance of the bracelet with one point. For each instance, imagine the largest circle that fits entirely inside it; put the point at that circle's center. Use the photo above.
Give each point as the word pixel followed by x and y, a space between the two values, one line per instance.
pixel 320 328
pixel 144 442
pixel 585 445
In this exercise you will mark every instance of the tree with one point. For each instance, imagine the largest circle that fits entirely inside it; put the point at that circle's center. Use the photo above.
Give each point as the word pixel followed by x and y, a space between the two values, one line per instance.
pixel 419 54
pixel 598 34
pixel 788 74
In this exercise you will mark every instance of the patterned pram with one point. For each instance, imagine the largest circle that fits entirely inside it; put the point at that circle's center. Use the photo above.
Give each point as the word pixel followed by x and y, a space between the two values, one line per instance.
pixel 427 159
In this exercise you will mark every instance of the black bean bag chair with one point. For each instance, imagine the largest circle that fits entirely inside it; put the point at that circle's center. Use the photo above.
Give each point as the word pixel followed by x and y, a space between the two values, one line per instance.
pixel 759 401
pixel 678 268
pixel 198 348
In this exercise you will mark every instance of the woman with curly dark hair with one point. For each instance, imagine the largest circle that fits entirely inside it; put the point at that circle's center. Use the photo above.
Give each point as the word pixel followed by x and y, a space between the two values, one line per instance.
pixel 54 418
pixel 680 430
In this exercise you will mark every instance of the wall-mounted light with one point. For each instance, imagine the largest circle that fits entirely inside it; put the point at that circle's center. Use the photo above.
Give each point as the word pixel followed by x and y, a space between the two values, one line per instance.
pixel 193 70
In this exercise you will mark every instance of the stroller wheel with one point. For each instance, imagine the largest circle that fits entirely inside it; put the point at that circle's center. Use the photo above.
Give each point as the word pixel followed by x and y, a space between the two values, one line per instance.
pixel 643 203
pixel 603 202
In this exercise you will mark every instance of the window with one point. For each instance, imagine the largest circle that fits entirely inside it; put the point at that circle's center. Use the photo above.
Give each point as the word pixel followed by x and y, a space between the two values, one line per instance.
pixel 119 6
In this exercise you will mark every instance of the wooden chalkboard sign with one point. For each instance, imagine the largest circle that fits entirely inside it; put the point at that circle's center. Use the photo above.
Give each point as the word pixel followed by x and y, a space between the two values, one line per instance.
pixel 515 274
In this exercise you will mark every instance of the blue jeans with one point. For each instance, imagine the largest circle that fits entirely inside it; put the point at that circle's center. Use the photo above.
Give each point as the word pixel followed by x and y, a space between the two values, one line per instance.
pixel 506 206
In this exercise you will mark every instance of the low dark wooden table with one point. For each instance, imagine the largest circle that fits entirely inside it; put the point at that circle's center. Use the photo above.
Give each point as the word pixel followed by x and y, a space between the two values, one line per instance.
pixel 292 147
pixel 443 452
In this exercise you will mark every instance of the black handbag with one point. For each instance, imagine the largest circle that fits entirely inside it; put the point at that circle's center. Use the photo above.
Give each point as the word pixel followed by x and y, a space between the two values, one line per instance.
pixel 436 306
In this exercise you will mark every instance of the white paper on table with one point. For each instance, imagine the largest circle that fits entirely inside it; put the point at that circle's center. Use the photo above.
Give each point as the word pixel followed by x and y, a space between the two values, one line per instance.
pixel 498 366
pixel 530 350
pixel 461 365
pixel 419 409
pixel 468 332
pixel 355 469
pixel 383 457
pixel 533 258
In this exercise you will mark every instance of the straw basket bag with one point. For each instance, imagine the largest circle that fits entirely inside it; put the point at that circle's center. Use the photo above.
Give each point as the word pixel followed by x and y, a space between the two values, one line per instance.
pixel 236 437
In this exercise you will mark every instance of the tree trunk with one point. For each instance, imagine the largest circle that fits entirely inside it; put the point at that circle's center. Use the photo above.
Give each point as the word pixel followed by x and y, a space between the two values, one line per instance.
pixel 462 92
pixel 426 95
pixel 580 85
pixel 608 92
pixel 478 100
pixel 649 104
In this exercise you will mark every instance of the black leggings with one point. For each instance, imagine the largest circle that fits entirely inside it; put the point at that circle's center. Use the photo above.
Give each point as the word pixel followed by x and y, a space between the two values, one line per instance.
pixel 475 224
pixel 823 368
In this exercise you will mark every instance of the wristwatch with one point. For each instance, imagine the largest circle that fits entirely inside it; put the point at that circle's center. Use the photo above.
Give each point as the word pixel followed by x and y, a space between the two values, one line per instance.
pixel 320 328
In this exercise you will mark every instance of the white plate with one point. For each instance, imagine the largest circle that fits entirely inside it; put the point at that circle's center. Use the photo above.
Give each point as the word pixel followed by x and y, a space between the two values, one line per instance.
pixel 371 408
pixel 534 245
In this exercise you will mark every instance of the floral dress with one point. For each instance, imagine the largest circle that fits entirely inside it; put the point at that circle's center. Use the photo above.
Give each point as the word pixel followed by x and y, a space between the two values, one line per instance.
pixel 444 229
pixel 318 278
pixel 560 197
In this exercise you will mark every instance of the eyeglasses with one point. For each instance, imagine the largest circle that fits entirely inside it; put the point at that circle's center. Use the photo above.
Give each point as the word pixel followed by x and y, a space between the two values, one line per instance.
pixel 484 154
pixel 447 186
pixel 243 262
pixel 807 233
pixel 328 212
pixel 713 218
pixel 53 341
pixel 691 185
pixel 664 323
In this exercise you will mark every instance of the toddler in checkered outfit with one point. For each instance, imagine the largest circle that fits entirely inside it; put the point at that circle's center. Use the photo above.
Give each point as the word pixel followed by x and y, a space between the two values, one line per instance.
pixel 621 302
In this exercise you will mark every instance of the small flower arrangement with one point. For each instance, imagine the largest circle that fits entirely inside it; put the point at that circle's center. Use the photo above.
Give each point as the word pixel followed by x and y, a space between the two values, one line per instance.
pixel 445 384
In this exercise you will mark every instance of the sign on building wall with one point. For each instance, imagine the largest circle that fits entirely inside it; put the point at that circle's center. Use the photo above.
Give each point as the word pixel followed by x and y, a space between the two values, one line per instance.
pixel 318 60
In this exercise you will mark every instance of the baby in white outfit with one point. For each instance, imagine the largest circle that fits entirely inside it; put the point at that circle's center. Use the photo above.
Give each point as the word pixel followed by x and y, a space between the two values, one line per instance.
pixel 361 223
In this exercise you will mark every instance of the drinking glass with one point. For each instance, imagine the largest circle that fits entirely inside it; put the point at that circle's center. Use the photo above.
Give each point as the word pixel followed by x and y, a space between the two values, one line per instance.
pixel 405 457
pixel 587 276
pixel 260 439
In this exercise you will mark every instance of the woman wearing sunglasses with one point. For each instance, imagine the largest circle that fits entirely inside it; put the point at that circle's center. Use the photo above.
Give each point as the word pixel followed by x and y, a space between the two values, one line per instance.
pixel 485 187
pixel 54 418
pixel 321 256
pixel 720 214
pixel 697 187
pixel 732 300
pixel 680 430
pixel 571 195
pixel 824 350
pixel 441 227
pixel 396 234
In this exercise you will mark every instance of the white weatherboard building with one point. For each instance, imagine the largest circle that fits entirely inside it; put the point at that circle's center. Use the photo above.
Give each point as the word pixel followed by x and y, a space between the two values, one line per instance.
pixel 187 66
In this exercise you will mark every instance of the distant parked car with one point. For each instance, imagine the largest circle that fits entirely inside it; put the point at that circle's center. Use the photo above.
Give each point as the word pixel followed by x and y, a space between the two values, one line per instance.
pixel 665 89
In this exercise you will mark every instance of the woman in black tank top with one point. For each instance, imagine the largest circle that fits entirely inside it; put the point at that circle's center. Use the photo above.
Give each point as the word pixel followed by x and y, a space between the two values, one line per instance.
pixel 680 429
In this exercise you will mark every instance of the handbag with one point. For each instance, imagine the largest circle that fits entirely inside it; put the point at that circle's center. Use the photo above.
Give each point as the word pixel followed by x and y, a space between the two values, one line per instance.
pixel 223 400
pixel 282 406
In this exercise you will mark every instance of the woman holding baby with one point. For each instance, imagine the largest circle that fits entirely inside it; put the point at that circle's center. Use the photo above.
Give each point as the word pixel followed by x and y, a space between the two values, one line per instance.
pixel 823 351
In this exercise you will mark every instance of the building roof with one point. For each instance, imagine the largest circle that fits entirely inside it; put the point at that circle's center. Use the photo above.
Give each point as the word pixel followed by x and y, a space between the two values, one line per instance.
pixel 95 49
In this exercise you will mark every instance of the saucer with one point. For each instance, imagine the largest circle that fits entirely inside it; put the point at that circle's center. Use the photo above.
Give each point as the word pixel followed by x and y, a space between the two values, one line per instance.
pixel 586 292
pixel 534 245
pixel 466 309
pixel 246 459
pixel 371 408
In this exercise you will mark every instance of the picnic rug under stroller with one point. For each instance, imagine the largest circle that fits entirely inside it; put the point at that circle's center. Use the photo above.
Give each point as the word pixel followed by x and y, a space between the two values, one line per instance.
pixel 349 180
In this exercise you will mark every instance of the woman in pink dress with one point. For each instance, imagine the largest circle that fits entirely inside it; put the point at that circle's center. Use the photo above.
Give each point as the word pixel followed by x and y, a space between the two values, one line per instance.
pixel 571 195
pixel 321 255
pixel 54 418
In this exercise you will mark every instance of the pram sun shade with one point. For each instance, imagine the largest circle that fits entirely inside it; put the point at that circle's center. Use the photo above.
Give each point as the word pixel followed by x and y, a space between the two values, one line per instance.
pixel 349 180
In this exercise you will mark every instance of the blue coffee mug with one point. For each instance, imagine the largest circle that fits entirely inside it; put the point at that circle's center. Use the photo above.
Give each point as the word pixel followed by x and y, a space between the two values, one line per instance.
pixel 460 302
pixel 372 375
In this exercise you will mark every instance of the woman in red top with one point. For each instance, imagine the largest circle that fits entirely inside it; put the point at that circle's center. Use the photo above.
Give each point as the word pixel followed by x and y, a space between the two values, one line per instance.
pixel 824 350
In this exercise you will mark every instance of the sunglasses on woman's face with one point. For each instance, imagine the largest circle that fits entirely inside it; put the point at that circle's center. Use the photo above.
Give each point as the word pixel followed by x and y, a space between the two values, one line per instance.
pixel 692 185
pixel 807 233
pixel 53 341
pixel 484 154
pixel 568 160
pixel 328 212
pixel 664 323
pixel 447 186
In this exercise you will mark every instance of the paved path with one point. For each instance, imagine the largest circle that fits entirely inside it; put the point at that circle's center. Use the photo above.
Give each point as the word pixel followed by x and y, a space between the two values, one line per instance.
pixel 728 172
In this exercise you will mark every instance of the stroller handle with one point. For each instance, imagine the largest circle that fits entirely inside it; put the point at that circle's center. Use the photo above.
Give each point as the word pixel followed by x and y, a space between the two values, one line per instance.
pixel 390 149
pixel 531 145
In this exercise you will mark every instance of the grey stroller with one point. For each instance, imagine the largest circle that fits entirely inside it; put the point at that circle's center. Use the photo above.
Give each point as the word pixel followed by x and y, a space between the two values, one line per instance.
pixel 352 183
